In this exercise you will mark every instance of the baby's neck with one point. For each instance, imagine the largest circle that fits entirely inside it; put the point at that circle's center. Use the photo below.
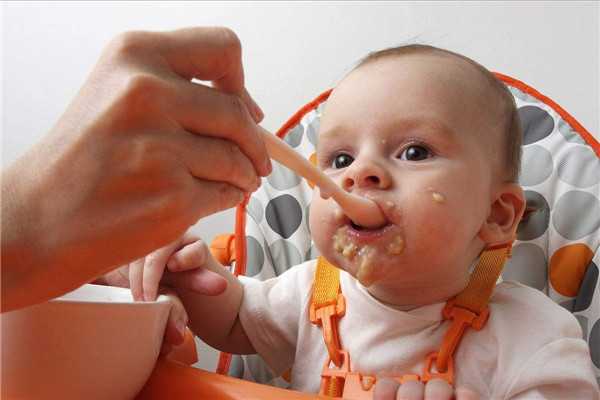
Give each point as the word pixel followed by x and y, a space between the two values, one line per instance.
pixel 411 297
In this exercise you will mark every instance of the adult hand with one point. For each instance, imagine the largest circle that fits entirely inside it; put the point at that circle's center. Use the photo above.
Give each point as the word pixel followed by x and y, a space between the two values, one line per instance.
pixel 435 389
pixel 140 155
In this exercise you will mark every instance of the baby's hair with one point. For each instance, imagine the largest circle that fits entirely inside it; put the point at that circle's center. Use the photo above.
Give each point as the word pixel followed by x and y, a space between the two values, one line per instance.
pixel 510 123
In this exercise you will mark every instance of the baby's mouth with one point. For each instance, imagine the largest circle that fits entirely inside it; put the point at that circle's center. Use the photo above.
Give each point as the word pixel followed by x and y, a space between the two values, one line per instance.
pixel 362 234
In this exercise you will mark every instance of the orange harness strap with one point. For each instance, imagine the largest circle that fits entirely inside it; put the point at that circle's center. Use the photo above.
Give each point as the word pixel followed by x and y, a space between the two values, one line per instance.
pixel 326 307
pixel 468 309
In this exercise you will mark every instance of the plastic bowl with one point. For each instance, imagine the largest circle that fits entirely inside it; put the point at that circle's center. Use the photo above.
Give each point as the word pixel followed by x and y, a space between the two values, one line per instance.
pixel 92 343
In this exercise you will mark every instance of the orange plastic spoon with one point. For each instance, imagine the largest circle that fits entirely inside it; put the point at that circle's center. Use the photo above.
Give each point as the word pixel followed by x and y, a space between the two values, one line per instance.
pixel 361 211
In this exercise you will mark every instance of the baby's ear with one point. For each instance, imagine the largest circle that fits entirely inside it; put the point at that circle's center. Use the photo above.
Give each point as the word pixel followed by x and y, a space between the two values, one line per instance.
pixel 505 214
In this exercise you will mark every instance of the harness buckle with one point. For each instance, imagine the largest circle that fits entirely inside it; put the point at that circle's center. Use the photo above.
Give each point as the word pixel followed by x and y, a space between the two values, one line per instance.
pixel 333 379
pixel 462 318
pixel 447 375
pixel 324 317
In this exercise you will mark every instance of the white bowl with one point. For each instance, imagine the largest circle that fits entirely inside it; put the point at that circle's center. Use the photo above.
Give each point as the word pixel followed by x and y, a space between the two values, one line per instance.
pixel 92 343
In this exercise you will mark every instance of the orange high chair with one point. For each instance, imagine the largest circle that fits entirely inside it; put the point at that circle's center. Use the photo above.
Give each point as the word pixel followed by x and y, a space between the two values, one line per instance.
pixel 561 178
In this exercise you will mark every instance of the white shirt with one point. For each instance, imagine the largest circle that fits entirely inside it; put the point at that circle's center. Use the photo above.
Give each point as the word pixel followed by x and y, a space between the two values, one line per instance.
pixel 530 347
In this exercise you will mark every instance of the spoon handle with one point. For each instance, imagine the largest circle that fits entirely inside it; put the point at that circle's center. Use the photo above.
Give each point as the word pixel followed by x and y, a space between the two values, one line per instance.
pixel 357 208
pixel 282 153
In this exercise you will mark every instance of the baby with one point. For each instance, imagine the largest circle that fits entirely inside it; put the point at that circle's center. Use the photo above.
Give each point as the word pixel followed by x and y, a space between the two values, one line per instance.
pixel 434 139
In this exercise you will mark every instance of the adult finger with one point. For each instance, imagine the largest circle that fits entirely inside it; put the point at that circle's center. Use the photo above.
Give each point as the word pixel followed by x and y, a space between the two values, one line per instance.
pixel 464 393
pixel 210 54
pixel 411 390
pixel 154 266
pixel 255 110
pixel 205 53
pixel 438 389
pixel 212 197
pixel 385 389
pixel 210 112
pixel 191 256
pixel 199 280
pixel 215 159
pixel 136 273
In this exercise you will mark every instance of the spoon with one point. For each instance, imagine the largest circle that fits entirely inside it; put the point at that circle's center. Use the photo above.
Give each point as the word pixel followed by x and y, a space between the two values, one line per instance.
pixel 361 211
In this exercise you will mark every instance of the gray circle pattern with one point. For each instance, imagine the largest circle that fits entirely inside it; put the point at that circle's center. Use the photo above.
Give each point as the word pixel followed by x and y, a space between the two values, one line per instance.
pixel 576 214
pixel 537 222
pixel 522 95
pixel 307 217
pixel 579 166
pixel 568 133
pixel 282 177
pixel 284 215
pixel 594 342
pixel 294 136
pixel 255 257
pixel 536 123
pixel 568 304
pixel 586 290
pixel 312 131
pixel 236 368
pixel 583 322
pixel 539 165
pixel 284 255
pixel 527 265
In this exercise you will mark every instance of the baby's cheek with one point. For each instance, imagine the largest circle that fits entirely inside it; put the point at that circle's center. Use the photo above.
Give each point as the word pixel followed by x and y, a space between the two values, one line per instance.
pixel 438 223
pixel 321 222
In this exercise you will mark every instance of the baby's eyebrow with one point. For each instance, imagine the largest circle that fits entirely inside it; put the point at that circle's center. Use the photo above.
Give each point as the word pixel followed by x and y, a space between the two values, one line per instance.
pixel 333 132
pixel 432 125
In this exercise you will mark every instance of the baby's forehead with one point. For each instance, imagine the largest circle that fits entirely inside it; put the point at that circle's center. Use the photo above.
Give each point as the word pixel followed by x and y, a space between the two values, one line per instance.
pixel 440 88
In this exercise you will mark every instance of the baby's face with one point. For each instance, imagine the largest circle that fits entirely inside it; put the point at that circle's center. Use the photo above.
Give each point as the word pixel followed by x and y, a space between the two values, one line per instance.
pixel 408 133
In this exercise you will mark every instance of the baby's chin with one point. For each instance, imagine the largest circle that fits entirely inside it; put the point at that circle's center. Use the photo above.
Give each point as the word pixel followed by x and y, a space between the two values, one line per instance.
pixel 368 263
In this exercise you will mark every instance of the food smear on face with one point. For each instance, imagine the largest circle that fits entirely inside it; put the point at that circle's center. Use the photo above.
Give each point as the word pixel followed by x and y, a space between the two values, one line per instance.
pixel 396 246
pixel 350 251
pixel 366 267
pixel 438 197
pixel 364 256
pixel 340 241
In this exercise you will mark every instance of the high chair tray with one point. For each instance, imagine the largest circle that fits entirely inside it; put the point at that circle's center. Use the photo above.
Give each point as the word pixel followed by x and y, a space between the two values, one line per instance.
pixel 173 380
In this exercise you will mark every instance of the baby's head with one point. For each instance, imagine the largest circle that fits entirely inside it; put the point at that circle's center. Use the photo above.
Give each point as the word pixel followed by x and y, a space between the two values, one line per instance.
pixel 434 139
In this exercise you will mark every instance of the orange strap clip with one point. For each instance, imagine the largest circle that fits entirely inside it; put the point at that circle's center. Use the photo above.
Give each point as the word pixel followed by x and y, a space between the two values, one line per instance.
pixel 326 316
pixel 333 379
pixel 461 320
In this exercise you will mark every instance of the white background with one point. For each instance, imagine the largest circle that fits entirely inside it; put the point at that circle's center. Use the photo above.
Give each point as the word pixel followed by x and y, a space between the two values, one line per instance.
pixel 293 51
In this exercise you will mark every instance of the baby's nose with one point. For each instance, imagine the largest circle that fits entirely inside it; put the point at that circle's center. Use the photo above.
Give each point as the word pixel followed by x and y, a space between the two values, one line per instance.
pixel 366 176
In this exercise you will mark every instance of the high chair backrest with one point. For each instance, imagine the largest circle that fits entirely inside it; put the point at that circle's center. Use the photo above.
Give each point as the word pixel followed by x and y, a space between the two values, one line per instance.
pixel 557 245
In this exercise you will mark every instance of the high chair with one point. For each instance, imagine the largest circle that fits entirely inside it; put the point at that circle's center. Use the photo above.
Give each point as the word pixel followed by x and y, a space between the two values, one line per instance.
pixel 556 251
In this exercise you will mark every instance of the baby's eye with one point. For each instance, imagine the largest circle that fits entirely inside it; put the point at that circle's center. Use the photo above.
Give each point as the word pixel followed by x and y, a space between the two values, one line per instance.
pixel 415 153
pixel 342 161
